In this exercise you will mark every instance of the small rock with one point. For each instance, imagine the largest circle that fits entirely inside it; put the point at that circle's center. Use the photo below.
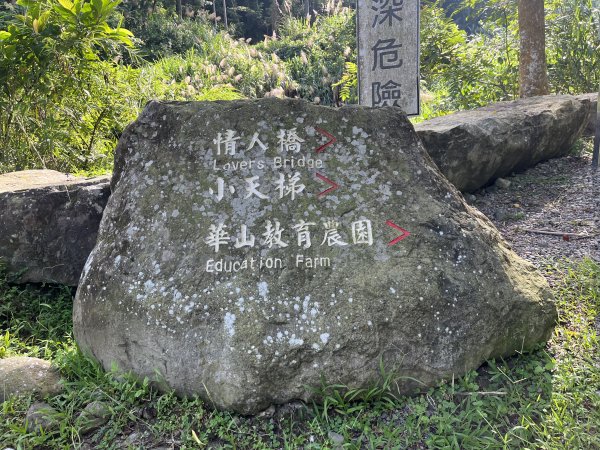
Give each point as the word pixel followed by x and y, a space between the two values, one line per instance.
pixel 502 183
pixel 41 415
pixel 98 394
pixel 122 378
pixel 500 214
pixel 22 375
pixel 336 439
pixel 267 413
pixel 93 416
pixel 148 413
pixel 292 410
pixel 132 438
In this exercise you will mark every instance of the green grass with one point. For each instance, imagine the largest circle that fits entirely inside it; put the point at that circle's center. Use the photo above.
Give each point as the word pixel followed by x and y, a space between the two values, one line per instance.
pixel 548 399
pixel 583 146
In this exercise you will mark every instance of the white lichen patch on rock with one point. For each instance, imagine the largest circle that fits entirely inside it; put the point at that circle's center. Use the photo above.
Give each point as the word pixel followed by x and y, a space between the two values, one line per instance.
pixel 229 323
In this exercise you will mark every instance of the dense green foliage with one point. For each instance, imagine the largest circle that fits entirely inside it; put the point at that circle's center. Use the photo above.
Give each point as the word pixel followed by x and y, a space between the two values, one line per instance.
pixel 462 72
pixel 53 105
pixel 73 77
pixel 573 45
pixel 66 98
pixel 315 53
pixel 547 399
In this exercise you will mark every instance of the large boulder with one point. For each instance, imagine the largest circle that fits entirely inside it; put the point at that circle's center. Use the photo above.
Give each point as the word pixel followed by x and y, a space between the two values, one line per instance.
pixel 474 148
pixel 23 375
pixel 590 101
pixel 250 248
pixel 48 223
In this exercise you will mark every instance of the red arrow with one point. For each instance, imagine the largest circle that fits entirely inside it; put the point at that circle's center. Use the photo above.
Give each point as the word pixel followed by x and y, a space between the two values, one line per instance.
pixel 332 140
pixel 403 236
pixel 333 184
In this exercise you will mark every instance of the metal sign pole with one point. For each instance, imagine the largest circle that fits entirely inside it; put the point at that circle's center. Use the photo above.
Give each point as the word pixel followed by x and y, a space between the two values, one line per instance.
pixel 597 136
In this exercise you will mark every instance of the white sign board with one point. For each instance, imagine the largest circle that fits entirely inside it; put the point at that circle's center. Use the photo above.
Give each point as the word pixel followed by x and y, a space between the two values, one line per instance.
pixel 388 53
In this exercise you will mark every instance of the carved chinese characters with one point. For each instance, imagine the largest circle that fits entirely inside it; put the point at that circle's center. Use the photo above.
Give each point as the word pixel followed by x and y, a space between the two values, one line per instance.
pixel 284 167
pixel 251 249
pixel 388 53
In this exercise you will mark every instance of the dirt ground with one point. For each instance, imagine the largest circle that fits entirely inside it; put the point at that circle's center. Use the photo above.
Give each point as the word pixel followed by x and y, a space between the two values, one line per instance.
pixel 549 212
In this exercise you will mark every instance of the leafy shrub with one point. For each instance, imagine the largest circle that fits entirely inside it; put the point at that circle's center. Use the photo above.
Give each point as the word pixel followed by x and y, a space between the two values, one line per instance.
pixel 572 43
pixel 63 106
pixel 463 71
pixel 221 62
pixel 348 84
pixel 442 42
pixel 573 46
pixel 50 112
pixel 315 54
pixel 162 34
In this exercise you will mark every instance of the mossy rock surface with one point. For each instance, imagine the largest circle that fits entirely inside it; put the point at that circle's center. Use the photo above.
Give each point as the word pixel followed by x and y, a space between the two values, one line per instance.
pixel 48 224
pixel 398 268
pixel 24 375
pixel 475 147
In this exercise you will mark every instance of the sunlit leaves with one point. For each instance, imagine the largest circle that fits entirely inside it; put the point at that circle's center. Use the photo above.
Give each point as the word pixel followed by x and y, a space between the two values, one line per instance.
pixel 46 58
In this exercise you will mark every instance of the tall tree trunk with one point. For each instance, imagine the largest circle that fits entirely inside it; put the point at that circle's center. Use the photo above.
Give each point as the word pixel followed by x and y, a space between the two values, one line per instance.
pixel 306 7
pixel 533 76
pixel 225 13
pixel 179 9
pixel 276 16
